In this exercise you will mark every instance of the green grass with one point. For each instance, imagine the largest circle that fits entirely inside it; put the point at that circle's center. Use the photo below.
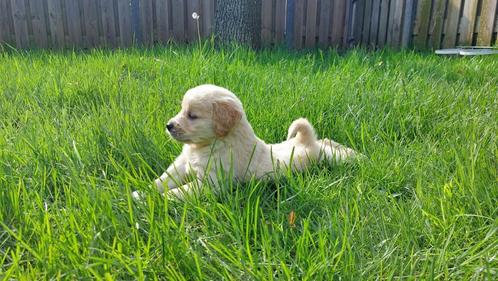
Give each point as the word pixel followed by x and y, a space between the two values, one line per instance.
pixel 80 131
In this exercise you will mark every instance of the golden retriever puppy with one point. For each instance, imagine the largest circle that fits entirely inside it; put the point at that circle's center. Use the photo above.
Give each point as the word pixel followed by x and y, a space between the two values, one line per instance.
pixel 217 135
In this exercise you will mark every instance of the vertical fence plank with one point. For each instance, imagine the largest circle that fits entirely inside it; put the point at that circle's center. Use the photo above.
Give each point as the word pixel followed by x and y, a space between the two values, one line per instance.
pixel 374 28
pixel 398 23
pixel 451 28
pixel 338 22
pixel 390 25
pixel 178 12
pixel 347 36
pixel 467 22
pixel 359 11
pixel 298 23
pixel 407 30
pixel 324 23
pixel 162 18
pixel 136 27
pixel 55 21
pixel 496 31
pixel 39 23
pixel 496 24
pixel 90 23
pixel 20 23
pixel 266 19
pixel 384 20
pixel 437 23
pixel 290 25
pixel 192 6
pixel 108 25
pixel 73 22
pixel 486 22
pixel 422 21
pixel 207 17
pixel 310 36
pixel 279 21
pixel 125 29
pixel 366 22
pixel 5 32
pixel 145 18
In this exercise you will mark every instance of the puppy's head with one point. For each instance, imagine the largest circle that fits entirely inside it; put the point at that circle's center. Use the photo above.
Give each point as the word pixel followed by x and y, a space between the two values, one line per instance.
pixel 208 112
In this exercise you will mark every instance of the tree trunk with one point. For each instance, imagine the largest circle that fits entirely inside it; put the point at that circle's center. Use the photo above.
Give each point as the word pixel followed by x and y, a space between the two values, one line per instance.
pixel 238 21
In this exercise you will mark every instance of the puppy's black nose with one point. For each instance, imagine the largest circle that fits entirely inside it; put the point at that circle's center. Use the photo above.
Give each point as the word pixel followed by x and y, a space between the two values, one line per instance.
pixel 169 126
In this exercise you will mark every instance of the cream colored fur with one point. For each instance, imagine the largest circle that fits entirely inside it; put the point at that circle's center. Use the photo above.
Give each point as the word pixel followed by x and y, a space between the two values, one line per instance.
pixel 217 135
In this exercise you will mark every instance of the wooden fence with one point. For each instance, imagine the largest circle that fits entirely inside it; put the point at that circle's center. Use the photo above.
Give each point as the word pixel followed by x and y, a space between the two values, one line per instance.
pixel 396 23
pixel 90 23
pixel 299 23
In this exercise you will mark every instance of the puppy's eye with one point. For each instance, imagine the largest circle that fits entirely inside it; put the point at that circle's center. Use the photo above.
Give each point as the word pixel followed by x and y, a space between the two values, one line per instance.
pixel 192 116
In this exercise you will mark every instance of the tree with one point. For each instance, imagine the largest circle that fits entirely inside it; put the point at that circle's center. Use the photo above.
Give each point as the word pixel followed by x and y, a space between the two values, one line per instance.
pixel 238 21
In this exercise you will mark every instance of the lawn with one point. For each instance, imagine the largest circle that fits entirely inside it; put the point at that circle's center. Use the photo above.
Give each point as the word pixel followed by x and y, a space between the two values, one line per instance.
pixel 80 131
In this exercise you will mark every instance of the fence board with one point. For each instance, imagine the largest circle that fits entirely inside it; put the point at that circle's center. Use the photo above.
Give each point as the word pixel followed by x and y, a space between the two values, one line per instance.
pixel 55 21
pixel 38 22
pixel 20 23
pixel 398 23
pixel 108 25
pixel 366 23
pixel 207 18
pixel 73 22
pixel 5 32
pixel 337 20
pixel 192 6
pixel 178 12
pixel 347 36
pixel 496 23
pixel 486 22
pixel 437 24
pixel 162 22
pixel 374 28
pixel 422 22
pixel 324 23
pixel 383 23
pixel 310 35
pixel 451 28
pixel 124 15
pixel 407 31
pixel 390 23
pixel 266 19
pixel 359 11
pixel 298 23
pixel 90 23
pixel 467 22
pixel 146 25
pixel 279 20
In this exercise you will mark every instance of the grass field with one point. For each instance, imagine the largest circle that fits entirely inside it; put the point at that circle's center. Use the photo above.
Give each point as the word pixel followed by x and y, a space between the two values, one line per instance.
pixel 80 131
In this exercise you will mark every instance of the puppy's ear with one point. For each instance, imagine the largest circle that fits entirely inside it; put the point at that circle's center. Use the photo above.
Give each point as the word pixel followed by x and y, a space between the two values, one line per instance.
pixel 226 114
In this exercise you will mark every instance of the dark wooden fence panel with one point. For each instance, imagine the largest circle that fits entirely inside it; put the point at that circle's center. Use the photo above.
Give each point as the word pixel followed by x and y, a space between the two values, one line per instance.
pixel 266 22
pixel 312 23
pixel 20 22
pixel 125 27
pixel 280 13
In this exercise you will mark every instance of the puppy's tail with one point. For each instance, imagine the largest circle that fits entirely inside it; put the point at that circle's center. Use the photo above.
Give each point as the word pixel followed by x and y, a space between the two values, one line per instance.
pixel 303 131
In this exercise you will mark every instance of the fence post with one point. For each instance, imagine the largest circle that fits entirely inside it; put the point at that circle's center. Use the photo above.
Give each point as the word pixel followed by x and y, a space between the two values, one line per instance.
pixel 289 24
pixel 135 21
